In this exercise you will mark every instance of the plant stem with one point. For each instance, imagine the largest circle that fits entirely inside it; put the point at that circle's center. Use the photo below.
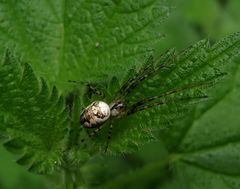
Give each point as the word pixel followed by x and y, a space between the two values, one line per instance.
pixel 68 181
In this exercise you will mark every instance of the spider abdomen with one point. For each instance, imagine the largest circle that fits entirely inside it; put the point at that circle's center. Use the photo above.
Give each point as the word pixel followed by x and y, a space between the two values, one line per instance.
pixel 95 114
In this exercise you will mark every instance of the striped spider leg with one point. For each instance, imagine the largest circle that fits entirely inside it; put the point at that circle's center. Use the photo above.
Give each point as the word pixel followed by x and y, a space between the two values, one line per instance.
pixel 155 100
pixel 159 100
pixel 152 66
pixel 90 89
pixel 146 103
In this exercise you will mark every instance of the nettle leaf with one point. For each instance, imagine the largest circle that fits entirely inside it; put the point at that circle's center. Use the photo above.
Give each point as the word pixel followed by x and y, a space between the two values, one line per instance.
pixel 33 119
pixel 202 149
pixel 209 142
pixel 81 40
pixel 194 71
pixel 92 40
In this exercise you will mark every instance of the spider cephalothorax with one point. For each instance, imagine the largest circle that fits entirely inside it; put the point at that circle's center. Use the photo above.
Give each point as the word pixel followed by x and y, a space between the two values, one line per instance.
pixel 118 109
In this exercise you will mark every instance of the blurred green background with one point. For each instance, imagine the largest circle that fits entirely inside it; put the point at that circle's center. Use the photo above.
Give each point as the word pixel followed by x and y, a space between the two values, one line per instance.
pixel 190 21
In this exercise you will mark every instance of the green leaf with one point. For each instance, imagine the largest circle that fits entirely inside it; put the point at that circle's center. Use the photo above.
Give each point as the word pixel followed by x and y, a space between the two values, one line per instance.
pixel 209 144
pixel 212 164
pixel 33 119
pixel 92 40
pixel 203 147
pixel 81 40
pixel 194 71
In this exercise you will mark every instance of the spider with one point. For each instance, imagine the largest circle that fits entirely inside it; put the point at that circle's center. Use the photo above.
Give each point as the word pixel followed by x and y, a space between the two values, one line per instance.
pixel 98 113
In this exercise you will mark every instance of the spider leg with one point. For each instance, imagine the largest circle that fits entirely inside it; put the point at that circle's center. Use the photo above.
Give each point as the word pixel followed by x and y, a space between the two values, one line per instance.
pixel 167 93
pixel 146 71
pixel 158 103
pixel 109 137
pixel 73 81
pixel 91 88
pixel 134 79
pixel 94 132
pixel 141 78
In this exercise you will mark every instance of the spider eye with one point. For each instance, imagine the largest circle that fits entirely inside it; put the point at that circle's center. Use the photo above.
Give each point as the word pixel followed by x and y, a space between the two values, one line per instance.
pixel 95 114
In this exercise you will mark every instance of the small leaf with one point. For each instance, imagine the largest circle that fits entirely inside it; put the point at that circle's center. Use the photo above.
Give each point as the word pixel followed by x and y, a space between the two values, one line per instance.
pixel 34 120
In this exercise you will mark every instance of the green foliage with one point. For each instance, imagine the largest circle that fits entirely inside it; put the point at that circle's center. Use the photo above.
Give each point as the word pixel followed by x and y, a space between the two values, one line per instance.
pixel 33 119
pixel 76 38
pixel 193 71
pixel 200 151
pixel 106 43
